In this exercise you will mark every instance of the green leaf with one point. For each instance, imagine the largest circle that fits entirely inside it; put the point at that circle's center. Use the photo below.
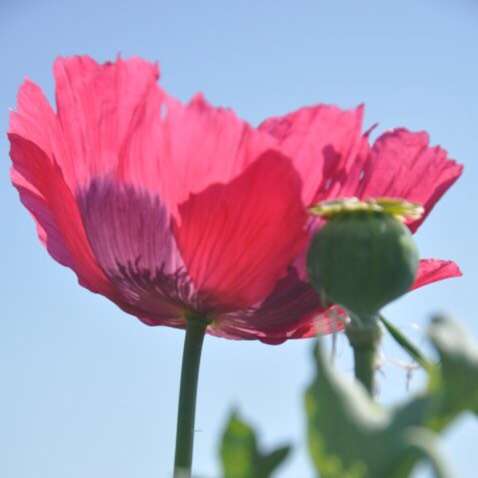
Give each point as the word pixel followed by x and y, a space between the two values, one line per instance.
pixel 269 462
pixel 350 436
pixel 458 352
pixel 408 346
pixel 346 427
pixel 240 455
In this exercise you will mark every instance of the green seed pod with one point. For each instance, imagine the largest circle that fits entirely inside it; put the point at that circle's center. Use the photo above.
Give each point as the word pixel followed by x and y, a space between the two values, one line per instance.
pixel 364 257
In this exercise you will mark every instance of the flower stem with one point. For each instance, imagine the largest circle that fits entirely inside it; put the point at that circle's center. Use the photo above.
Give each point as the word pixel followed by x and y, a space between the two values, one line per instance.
pixel 195 331
pixel 364 335
pixel 364 359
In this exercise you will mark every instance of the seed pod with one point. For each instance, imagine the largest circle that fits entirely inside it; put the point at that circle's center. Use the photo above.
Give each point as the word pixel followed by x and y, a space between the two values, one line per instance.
pixel 364 257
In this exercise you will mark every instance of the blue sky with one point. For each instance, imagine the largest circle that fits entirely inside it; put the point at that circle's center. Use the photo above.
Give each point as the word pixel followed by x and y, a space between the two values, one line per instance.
pixel 89 391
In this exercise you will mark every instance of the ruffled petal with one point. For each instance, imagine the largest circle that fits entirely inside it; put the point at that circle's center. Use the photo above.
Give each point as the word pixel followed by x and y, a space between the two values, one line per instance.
pixel 36 121
pixel 237 239
pixel 190 147
pixel 119 122
pixel 323 142
pixel 434 270
pixel 401 164
pixel 130 234
pixel 288 312
pixel 45 194
pixel 99 109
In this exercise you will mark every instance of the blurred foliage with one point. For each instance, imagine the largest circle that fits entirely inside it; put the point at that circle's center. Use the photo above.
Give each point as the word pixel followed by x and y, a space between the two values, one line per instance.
pixel 241 456
pixel 350 436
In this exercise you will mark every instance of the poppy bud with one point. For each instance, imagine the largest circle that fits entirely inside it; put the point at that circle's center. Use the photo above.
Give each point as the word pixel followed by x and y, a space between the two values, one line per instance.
pixel 364 256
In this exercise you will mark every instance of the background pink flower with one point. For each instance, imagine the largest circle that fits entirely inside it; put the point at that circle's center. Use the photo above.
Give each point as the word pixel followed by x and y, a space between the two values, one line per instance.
pixel 170 209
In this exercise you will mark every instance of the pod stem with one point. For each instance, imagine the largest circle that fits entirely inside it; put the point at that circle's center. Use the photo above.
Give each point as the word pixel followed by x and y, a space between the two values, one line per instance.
pixel 195 331
pixel 364 334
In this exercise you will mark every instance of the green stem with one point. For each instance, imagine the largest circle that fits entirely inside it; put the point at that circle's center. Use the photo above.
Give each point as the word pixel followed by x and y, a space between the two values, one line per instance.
pixel 364 335
pixel 195 331
pixel 364 360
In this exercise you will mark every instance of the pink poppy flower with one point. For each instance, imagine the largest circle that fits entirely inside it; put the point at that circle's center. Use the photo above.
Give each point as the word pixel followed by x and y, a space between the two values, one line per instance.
pixel 170 209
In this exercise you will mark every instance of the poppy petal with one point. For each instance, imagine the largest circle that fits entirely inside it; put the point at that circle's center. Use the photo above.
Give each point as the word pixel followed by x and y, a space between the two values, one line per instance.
pixel 129 232
pixel 401 164
pixel 238 238
pixel 288 312
pixel 202 145
pixel 434 270
pixel 118 121
pixel 36 121
pixel 99 107
pixel 323 140
pixel 45 194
